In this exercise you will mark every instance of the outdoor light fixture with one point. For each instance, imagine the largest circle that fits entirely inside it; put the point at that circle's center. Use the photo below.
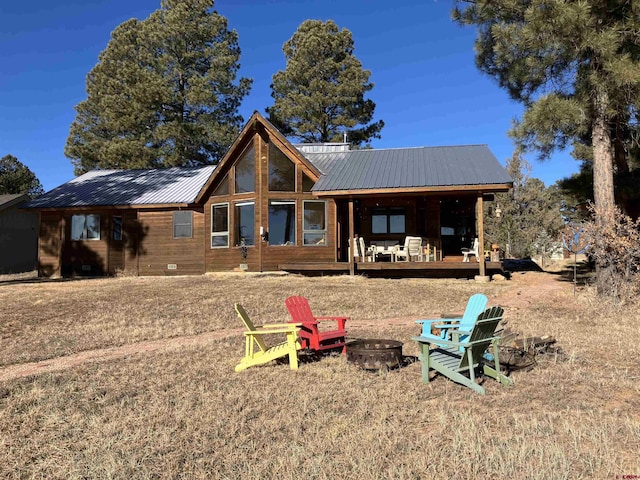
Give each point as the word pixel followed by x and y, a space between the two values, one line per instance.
pixel 498 210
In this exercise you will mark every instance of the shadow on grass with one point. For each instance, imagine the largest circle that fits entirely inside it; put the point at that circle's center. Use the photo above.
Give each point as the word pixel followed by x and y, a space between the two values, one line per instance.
pixel 27 281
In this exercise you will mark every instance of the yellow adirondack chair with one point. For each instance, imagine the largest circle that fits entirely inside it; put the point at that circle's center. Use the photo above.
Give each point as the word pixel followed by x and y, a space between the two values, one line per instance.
pixel 264 354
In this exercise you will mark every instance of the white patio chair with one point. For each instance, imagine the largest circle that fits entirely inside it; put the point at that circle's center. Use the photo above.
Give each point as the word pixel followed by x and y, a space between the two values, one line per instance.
pixel 471 251
pixel 412 248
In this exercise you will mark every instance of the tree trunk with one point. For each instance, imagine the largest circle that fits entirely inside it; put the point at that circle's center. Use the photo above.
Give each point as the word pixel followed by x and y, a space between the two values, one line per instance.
pixel 602 156
pixel 603 193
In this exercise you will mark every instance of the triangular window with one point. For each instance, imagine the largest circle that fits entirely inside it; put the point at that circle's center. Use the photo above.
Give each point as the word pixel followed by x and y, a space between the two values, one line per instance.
pixel 282 171
pixel 223 188
pixel 307 183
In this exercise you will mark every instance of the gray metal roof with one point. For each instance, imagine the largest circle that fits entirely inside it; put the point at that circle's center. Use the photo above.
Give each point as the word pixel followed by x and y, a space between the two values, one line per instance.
pixel 176 185
pixel 407 168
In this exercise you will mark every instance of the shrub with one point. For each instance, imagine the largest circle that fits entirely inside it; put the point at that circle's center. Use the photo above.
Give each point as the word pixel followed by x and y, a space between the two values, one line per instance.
pixel 614 245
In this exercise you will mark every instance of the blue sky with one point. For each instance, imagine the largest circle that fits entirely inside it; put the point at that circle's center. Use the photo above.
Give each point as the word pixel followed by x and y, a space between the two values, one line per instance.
pixel 427 88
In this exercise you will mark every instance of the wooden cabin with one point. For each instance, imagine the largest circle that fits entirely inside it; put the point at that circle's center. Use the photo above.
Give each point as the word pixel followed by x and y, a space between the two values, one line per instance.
pixel 269 205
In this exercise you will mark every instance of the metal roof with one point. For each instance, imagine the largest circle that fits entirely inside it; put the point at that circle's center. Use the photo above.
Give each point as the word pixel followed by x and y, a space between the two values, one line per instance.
pixel 407 168
pixel 10 200
pixel 177 185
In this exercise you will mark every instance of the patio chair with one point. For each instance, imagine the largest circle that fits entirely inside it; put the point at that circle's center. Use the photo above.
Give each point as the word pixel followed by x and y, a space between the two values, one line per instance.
pixel 455 360
pixel 312 336
pixel 471 251
pixel 367 255
pixel 412 248
pixel 475 306
pixel 360 252
pixel 264 354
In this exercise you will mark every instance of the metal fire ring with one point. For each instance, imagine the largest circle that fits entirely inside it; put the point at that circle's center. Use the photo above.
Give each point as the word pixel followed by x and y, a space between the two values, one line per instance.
pixel 374 354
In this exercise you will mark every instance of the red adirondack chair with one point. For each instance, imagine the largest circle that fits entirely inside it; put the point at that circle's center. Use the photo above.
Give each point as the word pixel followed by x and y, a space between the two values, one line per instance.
pixel 312 336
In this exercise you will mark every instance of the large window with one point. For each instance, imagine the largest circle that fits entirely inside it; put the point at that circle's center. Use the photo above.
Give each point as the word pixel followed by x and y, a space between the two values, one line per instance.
pixel 314 227
pixel 246 172
pixel 245 224
pixel 220 225
pixel 183 224
pixel 282 222
pixel 388 220
pixel 282 171
pixel 85 227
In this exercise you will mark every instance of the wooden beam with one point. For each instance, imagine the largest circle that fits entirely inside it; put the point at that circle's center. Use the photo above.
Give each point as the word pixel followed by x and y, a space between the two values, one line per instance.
pixel 352 266
pixel 480 214
pixel 498 187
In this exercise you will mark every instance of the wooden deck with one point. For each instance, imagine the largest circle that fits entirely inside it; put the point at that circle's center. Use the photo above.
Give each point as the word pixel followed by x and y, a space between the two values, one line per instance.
pixel 451 269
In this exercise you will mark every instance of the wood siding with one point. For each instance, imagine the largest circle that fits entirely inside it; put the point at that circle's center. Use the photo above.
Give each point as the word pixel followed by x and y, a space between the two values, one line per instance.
pixel 160 253
pixel 147 246
pixel 50 244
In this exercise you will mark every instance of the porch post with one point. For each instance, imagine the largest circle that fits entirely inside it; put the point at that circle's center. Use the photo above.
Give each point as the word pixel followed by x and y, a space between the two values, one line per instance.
pixel 351 246
pixel 481 235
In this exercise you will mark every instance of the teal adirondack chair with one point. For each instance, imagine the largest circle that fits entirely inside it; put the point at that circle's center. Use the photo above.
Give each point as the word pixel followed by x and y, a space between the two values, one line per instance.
pixel 458 359
pixel 475 306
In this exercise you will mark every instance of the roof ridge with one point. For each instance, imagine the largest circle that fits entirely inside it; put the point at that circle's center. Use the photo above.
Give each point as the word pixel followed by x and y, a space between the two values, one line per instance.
pixel 400 148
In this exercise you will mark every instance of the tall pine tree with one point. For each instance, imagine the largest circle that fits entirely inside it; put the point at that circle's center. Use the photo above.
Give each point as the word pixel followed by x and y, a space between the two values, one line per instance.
pixel 320 95
pixel 575 65
pixel 164 92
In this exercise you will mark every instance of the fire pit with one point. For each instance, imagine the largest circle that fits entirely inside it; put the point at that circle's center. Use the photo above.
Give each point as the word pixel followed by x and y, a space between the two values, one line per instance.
pixel 374 354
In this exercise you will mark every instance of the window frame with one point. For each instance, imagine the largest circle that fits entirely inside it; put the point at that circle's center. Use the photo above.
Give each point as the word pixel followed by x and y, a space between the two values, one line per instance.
pixel 236 227
pixel 307 231
pixel 388 212
pixel 251 147
pixel 175 224
pixel 271 163
pixel 82 238
pixel 275 201
pixel 220 233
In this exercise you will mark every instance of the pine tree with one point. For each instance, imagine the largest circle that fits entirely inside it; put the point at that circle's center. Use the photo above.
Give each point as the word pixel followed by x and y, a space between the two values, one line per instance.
pixel 529 212
pixel 17 178
pixel 164 92
pixel 320 95
pixel 574 65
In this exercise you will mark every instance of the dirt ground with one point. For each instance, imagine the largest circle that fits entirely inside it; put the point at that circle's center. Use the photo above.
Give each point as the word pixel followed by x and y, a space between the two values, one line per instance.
pixel 525 289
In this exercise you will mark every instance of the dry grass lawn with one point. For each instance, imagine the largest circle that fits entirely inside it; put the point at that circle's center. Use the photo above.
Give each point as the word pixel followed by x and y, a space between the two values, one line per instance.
pixel 182 412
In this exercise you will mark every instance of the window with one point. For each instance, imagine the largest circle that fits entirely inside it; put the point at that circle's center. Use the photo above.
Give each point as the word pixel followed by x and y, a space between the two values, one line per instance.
pixel 282 222
pixel 220 225
pixel 117 227
pixel 246 172
pixel 85 227
pixel 314 225
pixel 388 220
pixel 182 224
pixel 307 183
pixel 223 188
pixel 282 171
pixel 245 223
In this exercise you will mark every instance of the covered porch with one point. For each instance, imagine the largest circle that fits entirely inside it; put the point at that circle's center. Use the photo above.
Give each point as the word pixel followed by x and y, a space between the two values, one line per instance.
pixel 371 228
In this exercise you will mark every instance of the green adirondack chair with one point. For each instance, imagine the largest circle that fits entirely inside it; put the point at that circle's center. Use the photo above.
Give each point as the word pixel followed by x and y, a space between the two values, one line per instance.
pixel 475 306
pixel 457 358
